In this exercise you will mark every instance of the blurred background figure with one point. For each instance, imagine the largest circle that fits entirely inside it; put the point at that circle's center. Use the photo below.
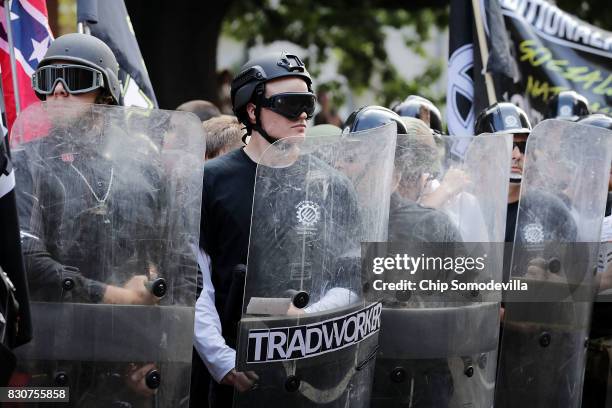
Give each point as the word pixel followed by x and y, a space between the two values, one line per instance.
pixel 223 134
pixel 202 109
pixel 323 130
pixel 328 114
pixel 224 79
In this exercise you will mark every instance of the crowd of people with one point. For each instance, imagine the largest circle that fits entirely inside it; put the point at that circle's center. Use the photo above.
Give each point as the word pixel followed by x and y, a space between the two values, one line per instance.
pixel 94 231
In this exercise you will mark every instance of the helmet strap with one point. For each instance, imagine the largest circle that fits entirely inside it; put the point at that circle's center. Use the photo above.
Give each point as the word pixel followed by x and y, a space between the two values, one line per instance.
pixel 259 92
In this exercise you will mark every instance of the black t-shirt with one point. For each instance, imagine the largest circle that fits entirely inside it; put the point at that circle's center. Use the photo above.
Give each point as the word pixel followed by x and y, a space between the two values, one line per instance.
pixel 511 221
pixel 85 216
pixel 227 200
pixel 314 217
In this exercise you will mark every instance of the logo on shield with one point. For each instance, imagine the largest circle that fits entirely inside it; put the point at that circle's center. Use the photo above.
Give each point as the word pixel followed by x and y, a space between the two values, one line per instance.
pixel 307 213
pixel 533 233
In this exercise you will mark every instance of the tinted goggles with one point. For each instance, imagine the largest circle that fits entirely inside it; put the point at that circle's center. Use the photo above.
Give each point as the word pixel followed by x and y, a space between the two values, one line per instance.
pixel 521 146
pixel 76 79
pixel 291 104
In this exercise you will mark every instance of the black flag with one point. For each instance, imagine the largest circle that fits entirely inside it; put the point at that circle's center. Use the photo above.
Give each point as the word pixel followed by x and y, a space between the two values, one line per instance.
pixel 15 324
pixel 460 92
pixel 466 93
pixel 556 51
pixel 109 21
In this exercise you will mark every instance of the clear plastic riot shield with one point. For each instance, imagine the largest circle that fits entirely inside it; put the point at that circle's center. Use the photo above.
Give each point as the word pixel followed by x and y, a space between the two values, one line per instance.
pixel 545 328
pixel 109 205
pixel 306 333
pixel 436 276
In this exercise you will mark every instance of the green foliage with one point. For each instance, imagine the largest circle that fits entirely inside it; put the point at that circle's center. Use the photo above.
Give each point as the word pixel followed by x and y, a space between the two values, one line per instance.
pixel 353 31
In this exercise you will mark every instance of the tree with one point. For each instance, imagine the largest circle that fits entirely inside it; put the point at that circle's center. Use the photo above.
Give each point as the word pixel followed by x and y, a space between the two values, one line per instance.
pixel 180 50
pixel 596 12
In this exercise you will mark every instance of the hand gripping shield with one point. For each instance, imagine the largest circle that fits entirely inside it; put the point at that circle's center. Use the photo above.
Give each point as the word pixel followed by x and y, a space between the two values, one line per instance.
pixel 438 345
pixel 306 333
pixel 109 206
pixel 562 203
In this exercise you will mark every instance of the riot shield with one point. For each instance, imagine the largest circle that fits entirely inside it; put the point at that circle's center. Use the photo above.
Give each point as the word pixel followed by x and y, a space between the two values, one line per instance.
pixel 545 328
pixel 438 345
pixel 109 205
pixel 306 331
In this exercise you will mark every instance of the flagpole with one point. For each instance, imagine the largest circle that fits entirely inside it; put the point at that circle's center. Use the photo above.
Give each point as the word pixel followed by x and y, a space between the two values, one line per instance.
pixel 83 28
pixel 9 32
pixel 484 51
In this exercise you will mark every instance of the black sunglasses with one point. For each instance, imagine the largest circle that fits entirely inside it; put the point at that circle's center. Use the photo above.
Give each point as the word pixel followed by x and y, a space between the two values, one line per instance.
pixel 521 146
pixel 291 104
pixel 77 79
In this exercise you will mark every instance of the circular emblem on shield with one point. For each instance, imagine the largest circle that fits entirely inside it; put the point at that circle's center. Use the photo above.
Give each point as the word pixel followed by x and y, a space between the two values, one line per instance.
pixel 307 213
pixel 511 121
pixel 565 111
pixel 533 233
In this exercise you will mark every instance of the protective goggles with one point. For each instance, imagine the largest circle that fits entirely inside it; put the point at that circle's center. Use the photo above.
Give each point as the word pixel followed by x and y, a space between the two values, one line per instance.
pixel 76 79
pixel 291 104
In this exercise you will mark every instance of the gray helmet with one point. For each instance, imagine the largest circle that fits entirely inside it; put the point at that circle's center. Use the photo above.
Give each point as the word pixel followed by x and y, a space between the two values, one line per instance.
pixel 249 84
pixel 502 117
pixel 370 117
pixel 418 107
pixel 86 50
pixel 567 105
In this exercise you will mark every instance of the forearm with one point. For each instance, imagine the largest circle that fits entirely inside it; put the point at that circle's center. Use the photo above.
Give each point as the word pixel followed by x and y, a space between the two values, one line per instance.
pixel 208 340
pixel 334 298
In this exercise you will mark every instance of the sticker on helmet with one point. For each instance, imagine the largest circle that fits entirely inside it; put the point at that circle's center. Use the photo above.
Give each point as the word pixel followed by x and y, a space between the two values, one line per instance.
pixel 565 111
pixel 511 121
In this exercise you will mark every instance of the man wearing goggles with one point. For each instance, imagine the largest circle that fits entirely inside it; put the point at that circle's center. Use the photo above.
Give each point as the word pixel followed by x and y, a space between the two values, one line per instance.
pixel 77 68
pixel 272 97
pixel 82 71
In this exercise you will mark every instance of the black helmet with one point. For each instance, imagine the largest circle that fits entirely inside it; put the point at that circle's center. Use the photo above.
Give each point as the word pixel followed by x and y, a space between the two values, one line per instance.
pixel 597 119
pixel 418 107
pixel 250 82
pixel 370 117
pixel 502 117
pixel 86 50
pixel 568 105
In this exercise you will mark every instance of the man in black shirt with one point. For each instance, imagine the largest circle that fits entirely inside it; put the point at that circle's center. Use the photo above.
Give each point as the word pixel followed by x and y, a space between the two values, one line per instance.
pixel 48 210
pixel 272 97
pixel 507 118
pixel 97 222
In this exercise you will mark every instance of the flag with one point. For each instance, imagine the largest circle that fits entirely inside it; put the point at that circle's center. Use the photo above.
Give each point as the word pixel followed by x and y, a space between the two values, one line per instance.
pixel 11 259
pixel 31 37
pixel 109 21
pixel 557 51
pixel 466 91
pixel 460 88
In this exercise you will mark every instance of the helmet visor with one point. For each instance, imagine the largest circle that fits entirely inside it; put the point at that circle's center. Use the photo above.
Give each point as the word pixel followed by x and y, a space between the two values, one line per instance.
pixel 76 79
pixel 291 104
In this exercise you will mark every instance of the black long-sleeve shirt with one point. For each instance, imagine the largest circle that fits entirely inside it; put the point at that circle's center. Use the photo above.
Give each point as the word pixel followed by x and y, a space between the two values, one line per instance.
pixel 69 229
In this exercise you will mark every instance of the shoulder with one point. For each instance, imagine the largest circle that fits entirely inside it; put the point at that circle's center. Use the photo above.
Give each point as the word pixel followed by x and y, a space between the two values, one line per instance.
pixel 233 169
pixel 234 161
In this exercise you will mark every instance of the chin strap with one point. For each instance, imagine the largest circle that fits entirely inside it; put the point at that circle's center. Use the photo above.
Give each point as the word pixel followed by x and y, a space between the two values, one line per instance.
pixel 259 92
